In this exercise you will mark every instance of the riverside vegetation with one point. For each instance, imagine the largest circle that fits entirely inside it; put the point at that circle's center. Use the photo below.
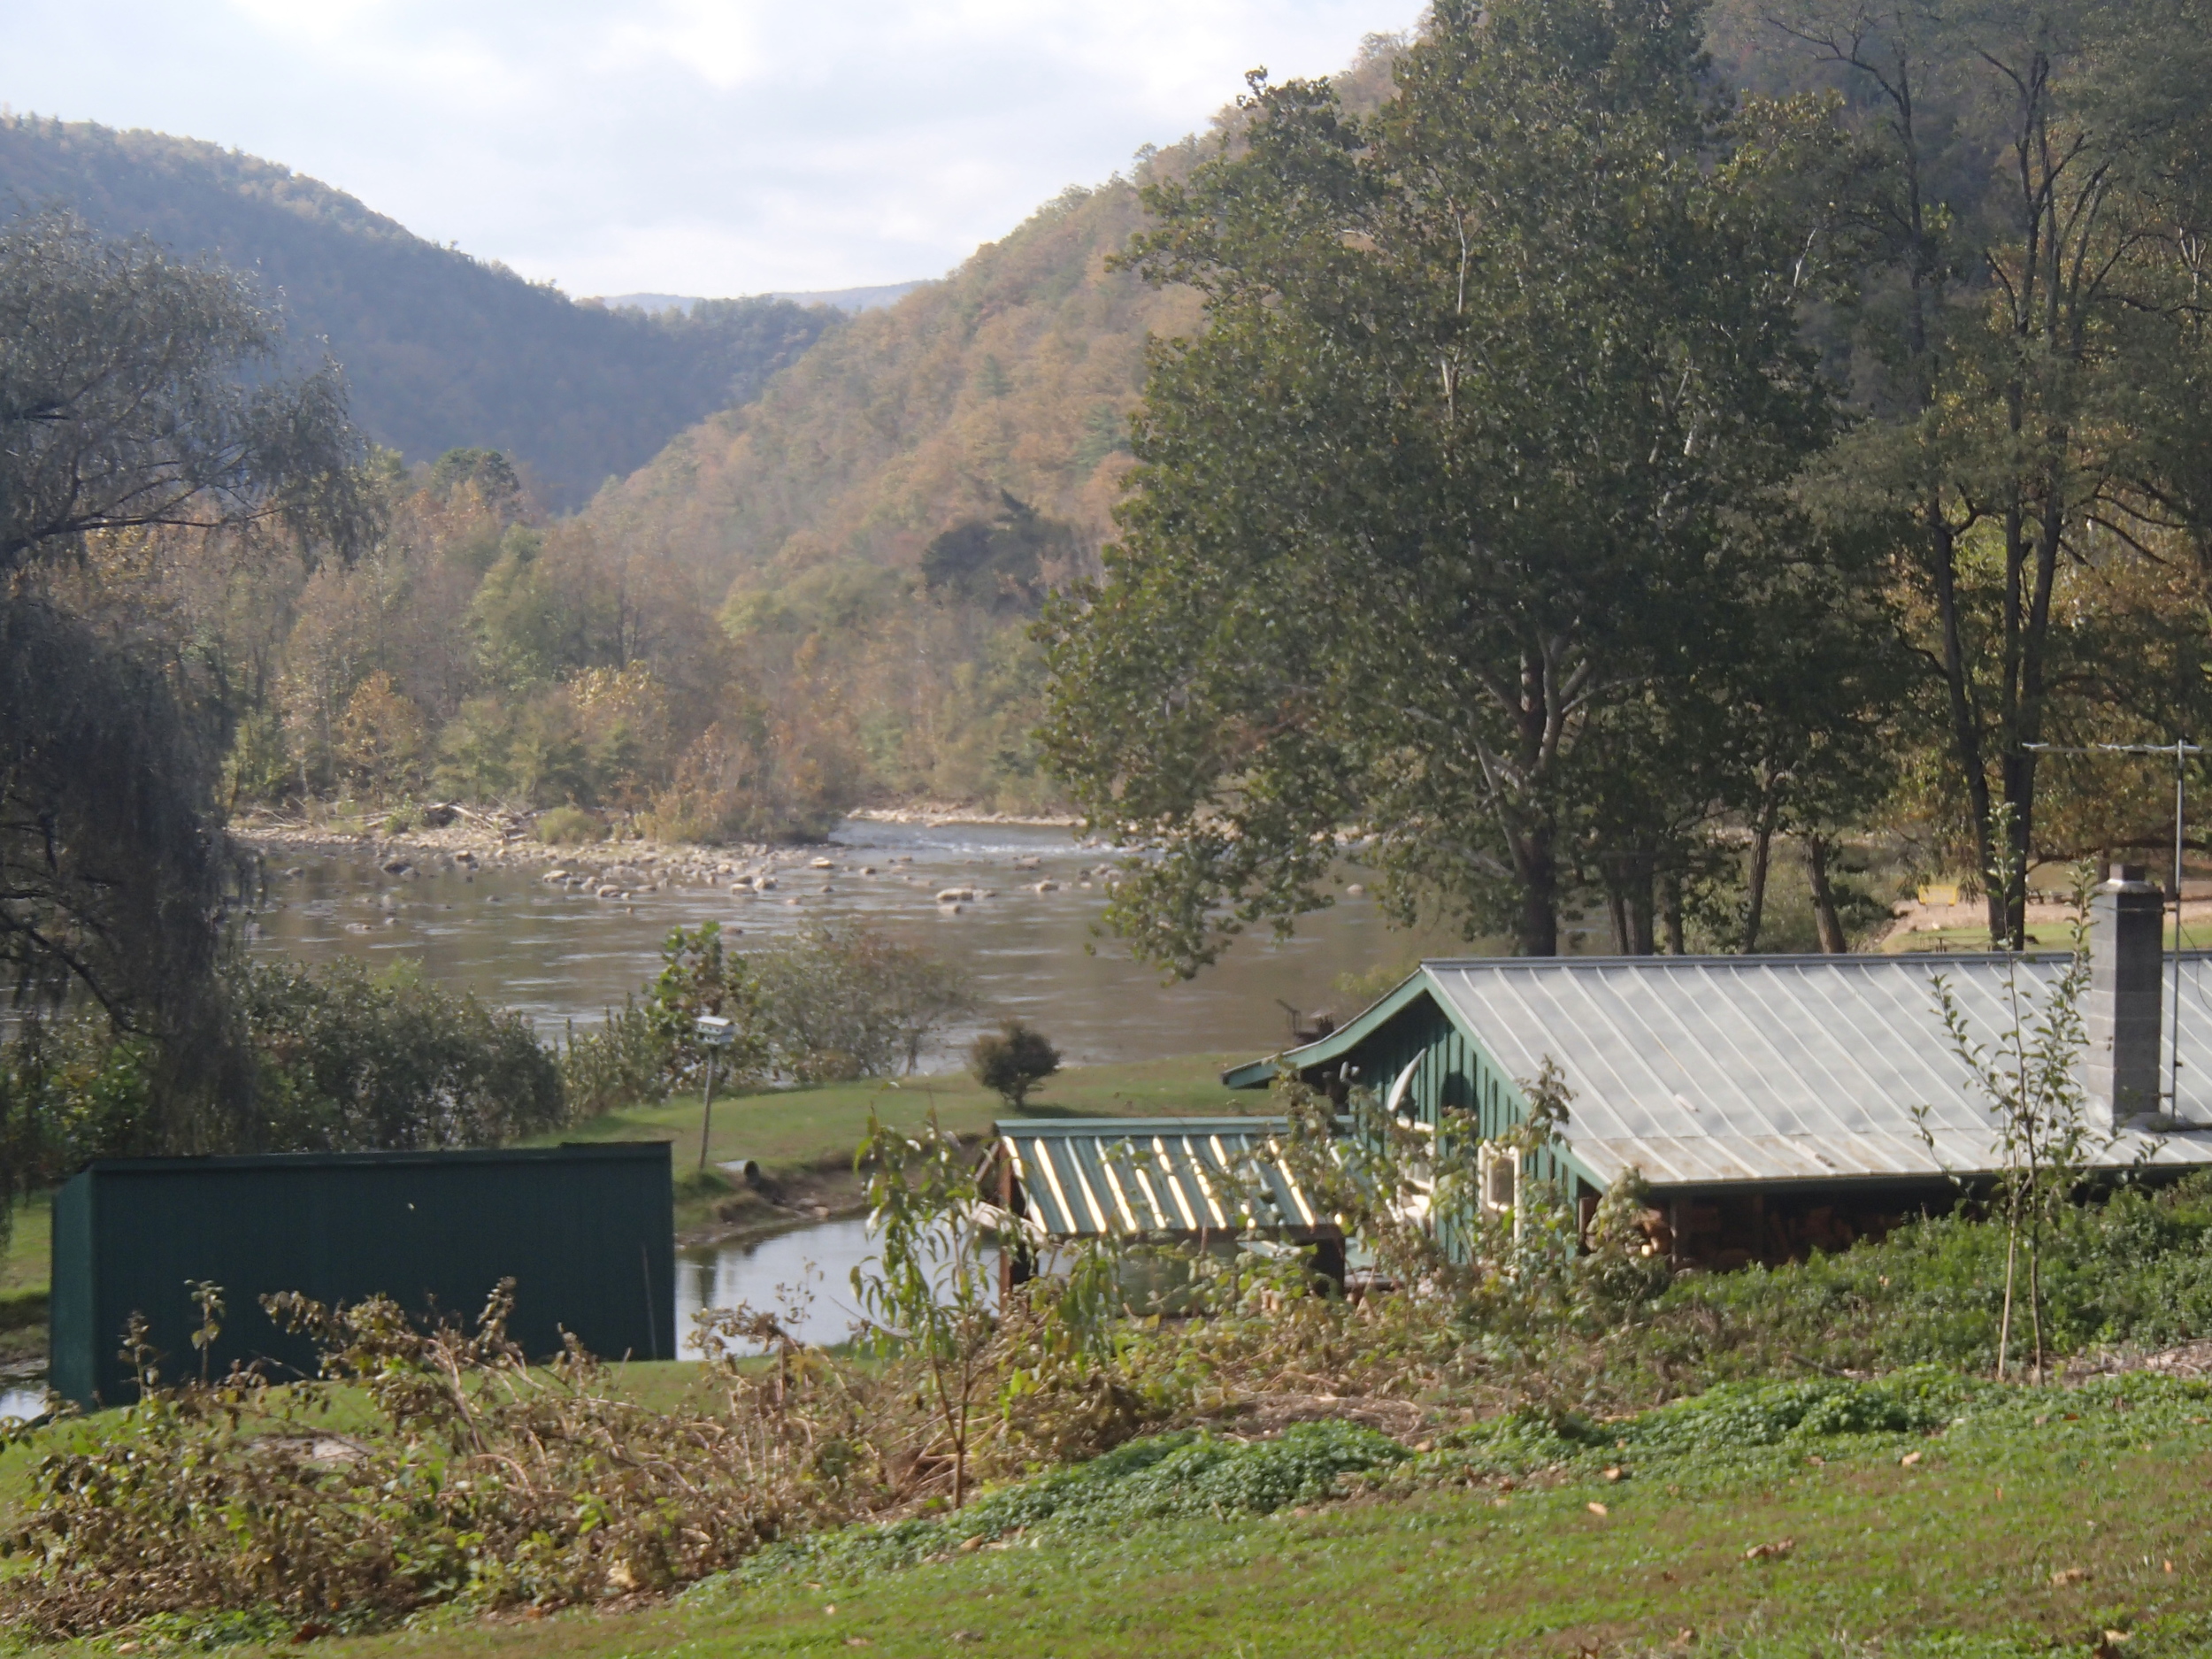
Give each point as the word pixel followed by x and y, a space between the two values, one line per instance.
pixel 343 1059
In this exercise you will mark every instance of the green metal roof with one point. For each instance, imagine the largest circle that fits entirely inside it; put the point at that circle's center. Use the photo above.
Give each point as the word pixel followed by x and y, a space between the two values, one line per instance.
pixel 1093 1176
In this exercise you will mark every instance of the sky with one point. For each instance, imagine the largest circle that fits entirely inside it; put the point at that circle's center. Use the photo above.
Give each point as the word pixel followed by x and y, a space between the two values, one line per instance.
pixel 711 147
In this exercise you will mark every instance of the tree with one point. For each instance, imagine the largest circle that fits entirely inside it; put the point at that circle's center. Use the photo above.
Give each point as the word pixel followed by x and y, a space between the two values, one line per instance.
pixel 1456 496
pixel 699 977
pixel 136 393
pixel 1012 1061
pixel 2026 327
pixel 122 403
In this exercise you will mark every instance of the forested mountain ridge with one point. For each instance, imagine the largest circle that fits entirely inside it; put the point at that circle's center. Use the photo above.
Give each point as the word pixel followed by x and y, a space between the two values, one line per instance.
pixel 887 517
pixel 441 351
pixel 1015 373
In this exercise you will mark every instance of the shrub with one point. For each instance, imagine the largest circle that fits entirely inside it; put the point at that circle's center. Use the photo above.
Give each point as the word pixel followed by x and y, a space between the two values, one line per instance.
pixel 751 780
pixel 623 1063
pixel 570 827
pixel 1012 1061
pixel 351 1060
pixel 849 1001
pixel 481 1479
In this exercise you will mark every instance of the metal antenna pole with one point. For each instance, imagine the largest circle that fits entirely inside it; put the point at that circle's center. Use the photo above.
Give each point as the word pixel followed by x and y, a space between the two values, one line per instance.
pixel 706 1115
pixel 2173 1067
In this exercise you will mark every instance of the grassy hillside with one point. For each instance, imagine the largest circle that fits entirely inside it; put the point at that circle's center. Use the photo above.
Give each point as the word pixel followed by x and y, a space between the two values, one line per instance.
pixel 2041 1522
pixel 442 350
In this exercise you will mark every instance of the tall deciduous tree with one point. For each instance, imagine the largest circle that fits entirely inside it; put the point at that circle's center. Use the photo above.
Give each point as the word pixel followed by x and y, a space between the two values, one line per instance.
pixel 1447 526
pixel 134 392
pixel 2033 305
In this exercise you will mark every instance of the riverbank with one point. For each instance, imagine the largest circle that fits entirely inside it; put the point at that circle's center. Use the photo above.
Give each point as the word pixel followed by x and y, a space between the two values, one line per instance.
pixel 802 1141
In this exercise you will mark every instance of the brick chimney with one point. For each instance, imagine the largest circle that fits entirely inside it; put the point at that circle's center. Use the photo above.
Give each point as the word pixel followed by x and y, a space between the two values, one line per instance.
pixel 2127 931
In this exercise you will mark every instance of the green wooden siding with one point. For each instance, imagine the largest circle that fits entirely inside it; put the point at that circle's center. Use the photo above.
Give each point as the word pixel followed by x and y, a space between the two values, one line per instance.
pixel 1455 1073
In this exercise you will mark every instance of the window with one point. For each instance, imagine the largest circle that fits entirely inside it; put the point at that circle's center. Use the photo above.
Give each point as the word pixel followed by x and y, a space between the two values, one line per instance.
pixel 1501 1179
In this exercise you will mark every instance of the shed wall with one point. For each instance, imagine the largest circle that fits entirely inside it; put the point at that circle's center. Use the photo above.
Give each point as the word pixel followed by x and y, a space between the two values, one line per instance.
pixel 587 1233
pixel 1453 1073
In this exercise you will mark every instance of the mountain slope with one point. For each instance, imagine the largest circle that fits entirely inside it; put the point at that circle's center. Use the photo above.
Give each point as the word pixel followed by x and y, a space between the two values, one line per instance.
pixel 886 518
pixel 441 351
pixel 1015 373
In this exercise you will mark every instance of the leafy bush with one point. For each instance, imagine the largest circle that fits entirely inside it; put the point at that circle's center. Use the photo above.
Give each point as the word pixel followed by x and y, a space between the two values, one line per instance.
pixel 1013 1060
pixel 849 1001
pixel 1736 1415
pixel 1191 1472
pixel 623 1063
pixel 1184 1474
pixel 826 1006
pixel 2132 1267
pixel 352 1060
pixel 570 827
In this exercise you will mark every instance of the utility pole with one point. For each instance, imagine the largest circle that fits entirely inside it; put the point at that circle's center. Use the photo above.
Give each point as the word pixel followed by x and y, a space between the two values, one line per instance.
pixel 2181 750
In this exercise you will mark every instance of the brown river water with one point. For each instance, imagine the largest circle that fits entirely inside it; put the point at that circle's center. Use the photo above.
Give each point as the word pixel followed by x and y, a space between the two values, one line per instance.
pixel 560 955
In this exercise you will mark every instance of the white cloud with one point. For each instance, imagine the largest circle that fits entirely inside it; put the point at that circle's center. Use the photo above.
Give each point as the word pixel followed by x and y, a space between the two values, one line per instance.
pixel 693 146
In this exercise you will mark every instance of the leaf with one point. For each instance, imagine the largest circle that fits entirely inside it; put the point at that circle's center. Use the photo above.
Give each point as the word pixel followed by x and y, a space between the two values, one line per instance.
pixel 1779 1551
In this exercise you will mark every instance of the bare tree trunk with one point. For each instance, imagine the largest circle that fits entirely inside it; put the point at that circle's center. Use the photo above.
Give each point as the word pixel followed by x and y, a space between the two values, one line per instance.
pixel 1824 916
pixel 1537 935
pixel 1641 907
pixel 1754 902
pixel 2004 1321
pixel 1670 909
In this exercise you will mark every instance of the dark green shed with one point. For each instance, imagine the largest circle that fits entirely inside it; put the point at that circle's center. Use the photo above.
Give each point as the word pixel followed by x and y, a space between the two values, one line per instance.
pixel 587 1233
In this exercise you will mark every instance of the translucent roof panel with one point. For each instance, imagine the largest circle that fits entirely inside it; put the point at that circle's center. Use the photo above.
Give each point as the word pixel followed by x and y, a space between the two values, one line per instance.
pixel 1716 1069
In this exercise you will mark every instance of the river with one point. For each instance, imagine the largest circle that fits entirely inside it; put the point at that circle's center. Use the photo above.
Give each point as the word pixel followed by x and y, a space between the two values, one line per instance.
pixel 560 955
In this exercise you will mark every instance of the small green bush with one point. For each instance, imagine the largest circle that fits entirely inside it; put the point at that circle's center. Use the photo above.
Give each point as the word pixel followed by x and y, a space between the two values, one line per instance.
pixel 570 827
pixel 1012 1061
pixel 1189 1473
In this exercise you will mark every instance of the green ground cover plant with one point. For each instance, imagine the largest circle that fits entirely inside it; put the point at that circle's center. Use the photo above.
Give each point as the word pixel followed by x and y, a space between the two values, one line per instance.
pixel 2023 1521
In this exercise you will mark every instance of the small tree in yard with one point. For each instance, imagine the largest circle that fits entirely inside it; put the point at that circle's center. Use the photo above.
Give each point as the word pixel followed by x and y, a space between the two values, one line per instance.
pixel 1013 1060
pixel 2030 1085
pixel 931 1296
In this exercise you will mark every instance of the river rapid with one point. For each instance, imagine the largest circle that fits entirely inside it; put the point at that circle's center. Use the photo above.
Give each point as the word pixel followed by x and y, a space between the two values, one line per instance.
pixel 559 955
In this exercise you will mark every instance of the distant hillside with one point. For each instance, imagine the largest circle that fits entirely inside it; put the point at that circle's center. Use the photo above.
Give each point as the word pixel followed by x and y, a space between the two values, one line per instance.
pixel 442 350
pixel 887 517
pixel 1015 374
pixel 837 299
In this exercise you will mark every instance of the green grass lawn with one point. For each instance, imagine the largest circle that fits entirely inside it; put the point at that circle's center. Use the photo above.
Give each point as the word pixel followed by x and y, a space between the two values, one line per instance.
pixel 791 1130
pixel 2035 1527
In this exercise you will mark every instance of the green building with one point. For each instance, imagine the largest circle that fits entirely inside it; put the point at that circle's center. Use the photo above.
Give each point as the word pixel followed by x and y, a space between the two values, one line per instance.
pixel 586 1233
